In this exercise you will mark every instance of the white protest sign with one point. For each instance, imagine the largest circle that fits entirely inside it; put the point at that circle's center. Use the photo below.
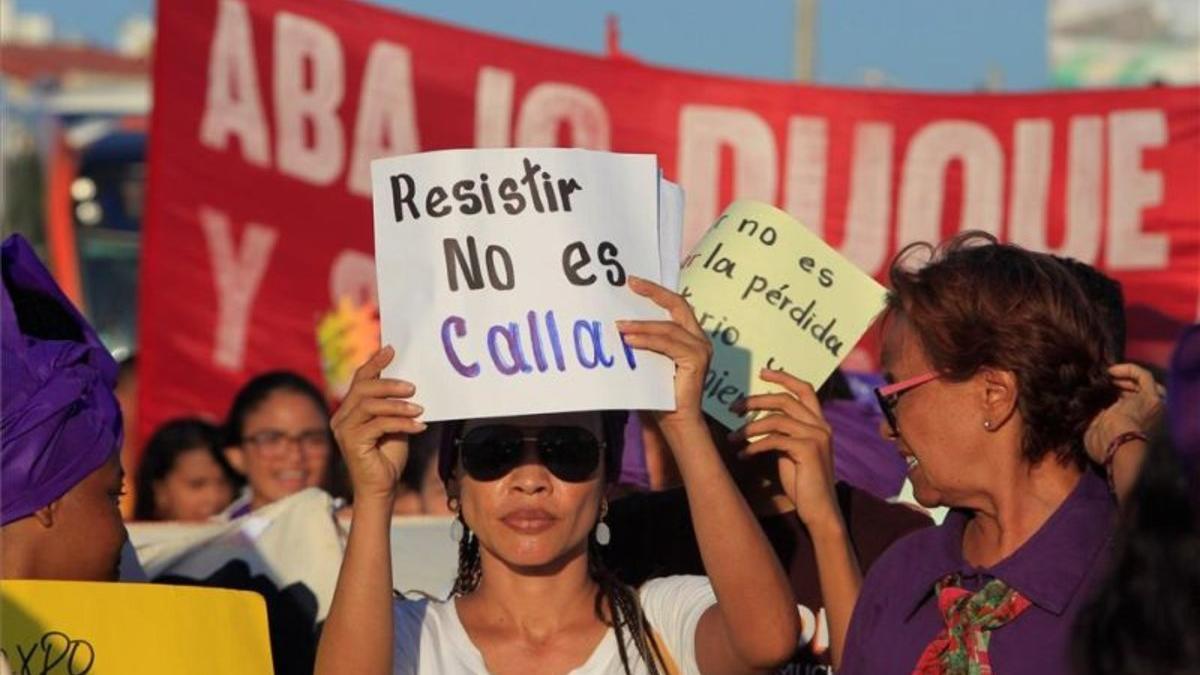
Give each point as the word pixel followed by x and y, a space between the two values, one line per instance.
pixel 771 294
pixel 502 275
pixel 670 231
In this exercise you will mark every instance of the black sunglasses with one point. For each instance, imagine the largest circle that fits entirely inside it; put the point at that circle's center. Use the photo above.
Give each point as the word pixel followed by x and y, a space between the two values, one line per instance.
pixel 489 452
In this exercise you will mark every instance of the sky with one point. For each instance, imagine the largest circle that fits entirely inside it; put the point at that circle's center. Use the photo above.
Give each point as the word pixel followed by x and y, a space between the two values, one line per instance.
pixel 949 45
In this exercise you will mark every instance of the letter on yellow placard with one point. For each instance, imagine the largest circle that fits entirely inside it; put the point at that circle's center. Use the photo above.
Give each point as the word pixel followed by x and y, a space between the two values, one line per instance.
pixel 83 628
pixel 771 294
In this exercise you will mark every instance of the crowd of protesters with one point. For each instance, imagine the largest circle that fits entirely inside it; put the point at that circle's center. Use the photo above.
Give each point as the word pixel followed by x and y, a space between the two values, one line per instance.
pixel 1071 478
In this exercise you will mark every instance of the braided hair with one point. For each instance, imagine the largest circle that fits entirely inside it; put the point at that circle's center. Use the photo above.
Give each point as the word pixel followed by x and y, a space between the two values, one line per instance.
pixel 621 600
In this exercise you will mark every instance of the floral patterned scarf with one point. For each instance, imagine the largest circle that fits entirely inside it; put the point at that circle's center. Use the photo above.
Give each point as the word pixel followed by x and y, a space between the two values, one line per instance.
pixel 961 648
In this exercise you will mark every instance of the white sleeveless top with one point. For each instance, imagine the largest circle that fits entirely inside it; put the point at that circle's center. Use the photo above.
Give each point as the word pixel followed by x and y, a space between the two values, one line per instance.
pixel 430 639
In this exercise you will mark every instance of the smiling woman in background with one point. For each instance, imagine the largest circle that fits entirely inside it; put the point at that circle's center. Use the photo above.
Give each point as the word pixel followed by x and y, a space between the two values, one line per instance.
pixel 278 438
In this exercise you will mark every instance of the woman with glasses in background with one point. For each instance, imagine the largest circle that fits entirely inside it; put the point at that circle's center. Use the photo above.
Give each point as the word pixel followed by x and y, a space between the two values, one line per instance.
pixel 997 365
pixel 532 595
pixel 278 437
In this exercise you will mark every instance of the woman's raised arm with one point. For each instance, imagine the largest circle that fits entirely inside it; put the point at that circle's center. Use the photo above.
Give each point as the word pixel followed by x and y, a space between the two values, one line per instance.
pixel 372 427
pixel 796 431
pixel 754 625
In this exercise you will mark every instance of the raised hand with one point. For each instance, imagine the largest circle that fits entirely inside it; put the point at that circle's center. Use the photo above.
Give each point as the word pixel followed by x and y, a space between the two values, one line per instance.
pixel 682 341
pixel 372 427
pixel 1139 408
pixel 795 430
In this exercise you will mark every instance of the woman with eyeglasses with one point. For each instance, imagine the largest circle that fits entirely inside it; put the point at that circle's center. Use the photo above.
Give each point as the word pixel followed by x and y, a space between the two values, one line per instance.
pixel 532 595
pixel 278 438
pixel 997 365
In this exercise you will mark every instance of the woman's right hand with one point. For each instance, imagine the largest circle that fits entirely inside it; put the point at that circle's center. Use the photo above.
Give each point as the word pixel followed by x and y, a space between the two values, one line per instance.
pixel 372 427
pixel 1139 408
pixel 796 431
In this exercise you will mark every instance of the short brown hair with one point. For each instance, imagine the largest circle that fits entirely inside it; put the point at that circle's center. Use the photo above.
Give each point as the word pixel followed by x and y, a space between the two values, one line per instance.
pixel 978 303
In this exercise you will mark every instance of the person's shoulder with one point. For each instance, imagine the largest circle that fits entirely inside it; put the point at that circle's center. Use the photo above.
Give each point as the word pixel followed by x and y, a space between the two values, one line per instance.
pixel 673 607
pixel 410 614
pixel 680 595
pixel 891 568
pixel 894 579
pixel 421 628
pixel 875 525
pixel 914 541
pixel 866 508
pixel 676 584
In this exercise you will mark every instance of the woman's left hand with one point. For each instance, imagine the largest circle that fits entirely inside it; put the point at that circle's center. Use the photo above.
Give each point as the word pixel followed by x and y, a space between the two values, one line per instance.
pixel 795 429
pixel 682 341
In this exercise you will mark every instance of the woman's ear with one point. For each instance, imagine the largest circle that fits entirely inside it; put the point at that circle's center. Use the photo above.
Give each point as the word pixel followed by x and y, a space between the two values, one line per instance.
pixel 999 396
pixel 236 456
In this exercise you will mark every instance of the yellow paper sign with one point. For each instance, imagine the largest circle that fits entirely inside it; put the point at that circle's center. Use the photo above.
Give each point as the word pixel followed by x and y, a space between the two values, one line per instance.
pixel 771 294
pixel 85 628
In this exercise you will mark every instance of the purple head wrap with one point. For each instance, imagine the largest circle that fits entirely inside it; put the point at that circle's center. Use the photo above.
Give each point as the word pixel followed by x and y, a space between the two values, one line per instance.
pixel 60 420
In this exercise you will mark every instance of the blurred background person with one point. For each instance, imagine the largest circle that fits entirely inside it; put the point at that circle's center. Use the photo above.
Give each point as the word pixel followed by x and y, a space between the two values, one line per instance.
pixel 1143 617
pixel 278 438
pixel 183 475
pixel 60 434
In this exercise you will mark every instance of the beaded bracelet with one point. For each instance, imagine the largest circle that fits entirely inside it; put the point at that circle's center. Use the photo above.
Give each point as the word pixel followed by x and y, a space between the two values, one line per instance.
pixel 1111 452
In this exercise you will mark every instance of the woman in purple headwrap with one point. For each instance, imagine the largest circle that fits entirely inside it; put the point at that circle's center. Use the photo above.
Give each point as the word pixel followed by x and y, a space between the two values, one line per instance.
pixel 60 433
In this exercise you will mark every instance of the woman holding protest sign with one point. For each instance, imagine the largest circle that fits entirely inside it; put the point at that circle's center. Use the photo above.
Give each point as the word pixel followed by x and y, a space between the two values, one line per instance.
pixel 531 594
pixel 998 368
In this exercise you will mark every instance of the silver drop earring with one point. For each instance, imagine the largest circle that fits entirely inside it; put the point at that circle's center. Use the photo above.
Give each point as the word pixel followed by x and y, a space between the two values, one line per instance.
pixel 457 527
pixel 603 534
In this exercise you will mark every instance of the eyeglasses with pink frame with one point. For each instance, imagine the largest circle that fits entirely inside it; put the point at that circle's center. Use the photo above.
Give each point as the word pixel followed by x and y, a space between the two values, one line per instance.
pixel 889 395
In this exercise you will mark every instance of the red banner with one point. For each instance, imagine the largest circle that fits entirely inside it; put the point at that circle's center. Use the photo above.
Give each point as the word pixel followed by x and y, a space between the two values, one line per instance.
pixel 266 114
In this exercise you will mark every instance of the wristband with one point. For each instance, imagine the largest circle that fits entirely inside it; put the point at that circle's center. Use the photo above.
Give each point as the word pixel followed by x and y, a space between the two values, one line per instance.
pixel 1111 452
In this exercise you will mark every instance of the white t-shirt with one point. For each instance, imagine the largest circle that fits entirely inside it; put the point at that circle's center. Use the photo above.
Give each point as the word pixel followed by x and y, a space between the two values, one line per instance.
pixel 431 640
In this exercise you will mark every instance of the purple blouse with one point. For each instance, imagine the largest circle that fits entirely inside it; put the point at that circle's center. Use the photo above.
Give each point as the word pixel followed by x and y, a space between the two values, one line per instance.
pixel 897 614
